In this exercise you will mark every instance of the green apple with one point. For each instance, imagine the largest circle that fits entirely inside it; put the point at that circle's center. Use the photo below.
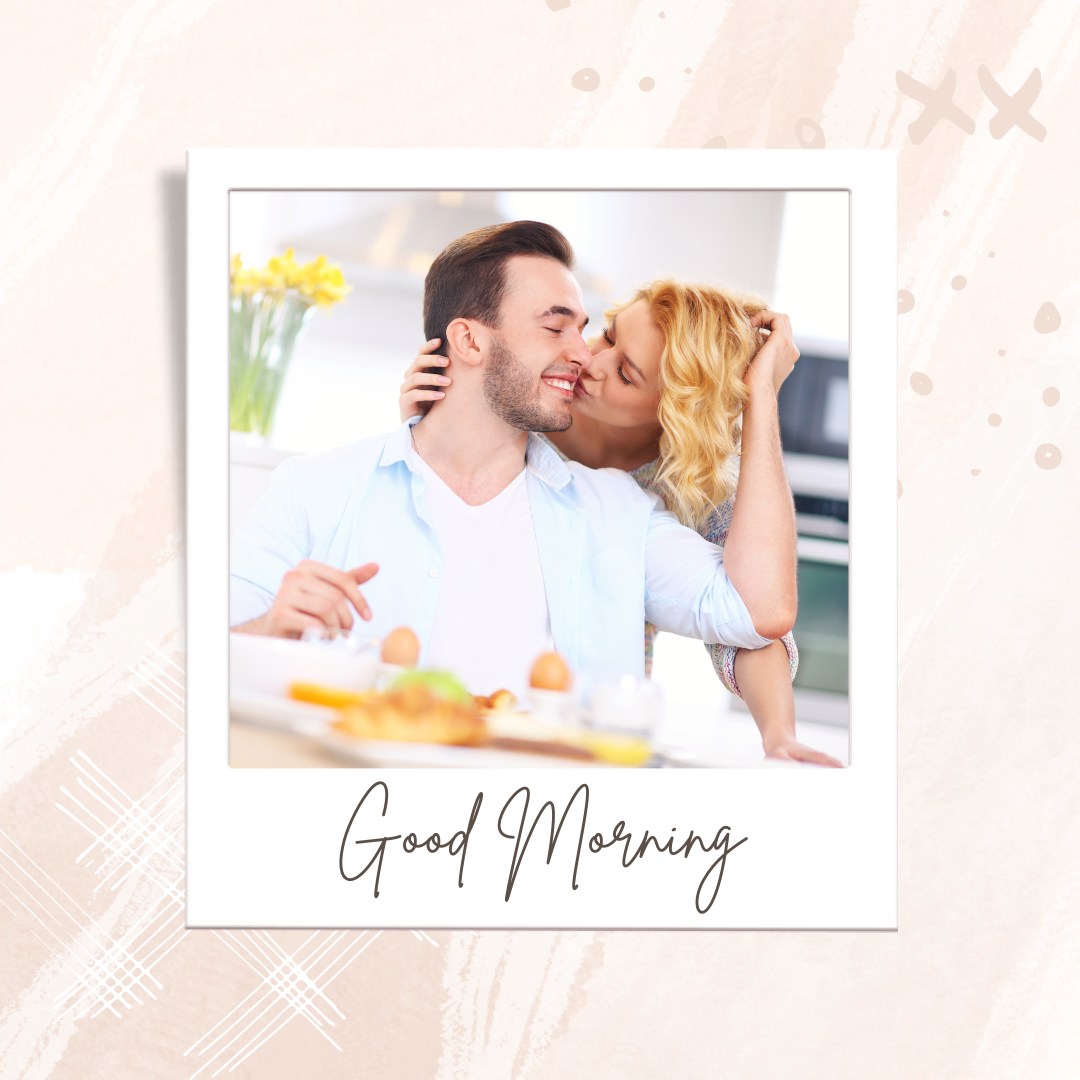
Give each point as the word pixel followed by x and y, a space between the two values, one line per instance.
pixel 442 684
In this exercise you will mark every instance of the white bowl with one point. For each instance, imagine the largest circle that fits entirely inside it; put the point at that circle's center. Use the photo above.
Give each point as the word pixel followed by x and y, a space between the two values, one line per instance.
pixel 270 665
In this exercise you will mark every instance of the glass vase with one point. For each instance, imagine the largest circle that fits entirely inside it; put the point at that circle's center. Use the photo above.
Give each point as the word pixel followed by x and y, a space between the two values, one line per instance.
pixel 263 330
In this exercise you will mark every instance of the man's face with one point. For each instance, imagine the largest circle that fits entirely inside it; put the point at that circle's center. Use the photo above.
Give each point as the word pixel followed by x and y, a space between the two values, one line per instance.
pixel 536 355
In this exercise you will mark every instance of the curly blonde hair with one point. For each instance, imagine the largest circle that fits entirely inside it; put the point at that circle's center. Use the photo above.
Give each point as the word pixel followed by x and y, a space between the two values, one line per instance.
pixel 709 342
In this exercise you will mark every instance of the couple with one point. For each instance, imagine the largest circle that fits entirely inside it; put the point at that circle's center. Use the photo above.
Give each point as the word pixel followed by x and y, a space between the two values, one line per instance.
pixel 495 544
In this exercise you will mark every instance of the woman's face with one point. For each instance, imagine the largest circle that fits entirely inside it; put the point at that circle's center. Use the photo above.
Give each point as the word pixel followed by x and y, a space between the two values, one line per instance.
pixel 621 386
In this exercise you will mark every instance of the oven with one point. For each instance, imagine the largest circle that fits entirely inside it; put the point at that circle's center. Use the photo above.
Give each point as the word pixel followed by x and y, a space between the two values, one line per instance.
pixel 813 407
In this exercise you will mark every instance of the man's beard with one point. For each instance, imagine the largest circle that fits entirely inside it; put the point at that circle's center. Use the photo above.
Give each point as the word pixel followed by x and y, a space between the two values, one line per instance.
pixel 509 390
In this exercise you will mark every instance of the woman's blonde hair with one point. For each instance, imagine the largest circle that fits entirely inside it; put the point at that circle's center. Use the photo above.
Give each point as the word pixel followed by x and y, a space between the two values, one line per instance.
pixel 709 342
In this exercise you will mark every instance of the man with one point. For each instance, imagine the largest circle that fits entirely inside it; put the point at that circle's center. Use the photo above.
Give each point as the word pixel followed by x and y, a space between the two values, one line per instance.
pixel 485 542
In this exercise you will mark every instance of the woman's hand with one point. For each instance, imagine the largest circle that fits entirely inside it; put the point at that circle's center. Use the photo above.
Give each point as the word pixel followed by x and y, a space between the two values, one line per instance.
pixel 420 387
pixel 790 749
pixel 775 360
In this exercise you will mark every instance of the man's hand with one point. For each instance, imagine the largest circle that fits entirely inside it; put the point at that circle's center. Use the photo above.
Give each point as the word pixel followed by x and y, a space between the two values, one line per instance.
pixel 789 749
pixel 775 360
pixel 314 595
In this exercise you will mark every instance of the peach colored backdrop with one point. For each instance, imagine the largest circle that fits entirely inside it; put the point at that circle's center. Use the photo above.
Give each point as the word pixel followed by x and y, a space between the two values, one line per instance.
pixel 100 978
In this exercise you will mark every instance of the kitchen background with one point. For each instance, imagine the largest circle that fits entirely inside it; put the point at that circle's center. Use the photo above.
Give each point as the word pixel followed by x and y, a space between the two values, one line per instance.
pixel 789 247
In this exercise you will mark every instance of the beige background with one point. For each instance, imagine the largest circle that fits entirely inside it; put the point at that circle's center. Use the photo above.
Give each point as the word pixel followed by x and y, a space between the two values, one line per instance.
pixel 99 977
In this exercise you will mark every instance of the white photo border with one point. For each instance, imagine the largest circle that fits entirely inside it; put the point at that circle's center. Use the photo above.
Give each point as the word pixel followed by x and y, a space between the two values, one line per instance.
pixel 263 845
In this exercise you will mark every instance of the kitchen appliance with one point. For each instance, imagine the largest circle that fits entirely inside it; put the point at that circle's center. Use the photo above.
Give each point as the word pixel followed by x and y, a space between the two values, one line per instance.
pixel 813 407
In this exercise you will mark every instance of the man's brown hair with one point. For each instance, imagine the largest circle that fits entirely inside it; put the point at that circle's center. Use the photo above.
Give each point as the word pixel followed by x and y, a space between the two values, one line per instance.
pixel 468 279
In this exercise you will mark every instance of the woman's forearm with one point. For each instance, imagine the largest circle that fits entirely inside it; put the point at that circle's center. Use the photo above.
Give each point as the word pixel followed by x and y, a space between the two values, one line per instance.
pixel 764 678
pixel 760 551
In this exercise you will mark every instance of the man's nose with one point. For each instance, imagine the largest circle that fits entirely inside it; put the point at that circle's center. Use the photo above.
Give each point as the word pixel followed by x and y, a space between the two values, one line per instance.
pixel 578 351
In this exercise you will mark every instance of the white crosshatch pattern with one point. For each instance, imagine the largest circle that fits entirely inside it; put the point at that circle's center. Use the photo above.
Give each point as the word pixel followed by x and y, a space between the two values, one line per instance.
pixel 109 964
pixel 136 854
pixel 133 838
pixel 293 985
pixel 822 850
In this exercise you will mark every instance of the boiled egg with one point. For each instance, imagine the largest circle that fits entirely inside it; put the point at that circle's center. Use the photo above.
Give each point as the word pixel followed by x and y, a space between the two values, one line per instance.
pixel 550 672
pixel 401 647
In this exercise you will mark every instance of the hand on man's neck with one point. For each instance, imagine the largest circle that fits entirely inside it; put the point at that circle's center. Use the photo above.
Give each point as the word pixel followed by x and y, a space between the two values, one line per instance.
pixel 474 452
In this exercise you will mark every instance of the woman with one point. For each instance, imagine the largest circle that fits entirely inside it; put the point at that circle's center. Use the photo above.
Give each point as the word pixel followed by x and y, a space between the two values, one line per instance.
pixel 680 376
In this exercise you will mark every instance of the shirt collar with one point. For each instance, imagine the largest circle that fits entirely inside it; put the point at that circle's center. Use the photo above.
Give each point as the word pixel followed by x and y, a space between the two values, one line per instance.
pixel 397 443
pixel 544 462
pixel 541 459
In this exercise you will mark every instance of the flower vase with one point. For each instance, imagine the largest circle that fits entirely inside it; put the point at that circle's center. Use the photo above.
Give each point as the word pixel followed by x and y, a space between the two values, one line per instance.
pixel 263 330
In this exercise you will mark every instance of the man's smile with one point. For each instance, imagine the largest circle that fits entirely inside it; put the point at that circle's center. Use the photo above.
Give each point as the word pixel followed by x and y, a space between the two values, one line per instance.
pixel 562 384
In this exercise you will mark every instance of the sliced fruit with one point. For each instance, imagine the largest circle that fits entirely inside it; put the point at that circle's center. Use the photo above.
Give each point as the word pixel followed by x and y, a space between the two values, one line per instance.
pixel 615 749
pixel 331 696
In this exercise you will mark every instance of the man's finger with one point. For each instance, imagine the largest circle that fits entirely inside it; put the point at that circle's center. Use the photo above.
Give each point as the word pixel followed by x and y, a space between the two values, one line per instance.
pixel 361 574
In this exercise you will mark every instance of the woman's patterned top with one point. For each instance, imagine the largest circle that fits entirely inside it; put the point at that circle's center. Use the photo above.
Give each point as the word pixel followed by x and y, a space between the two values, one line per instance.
pixel 715 531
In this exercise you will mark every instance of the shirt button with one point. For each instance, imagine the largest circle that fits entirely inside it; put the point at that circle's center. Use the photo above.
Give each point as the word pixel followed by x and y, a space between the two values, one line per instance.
pixel 433 571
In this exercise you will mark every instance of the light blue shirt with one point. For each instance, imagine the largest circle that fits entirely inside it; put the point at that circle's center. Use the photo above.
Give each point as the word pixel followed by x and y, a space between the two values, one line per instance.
pixel 611 555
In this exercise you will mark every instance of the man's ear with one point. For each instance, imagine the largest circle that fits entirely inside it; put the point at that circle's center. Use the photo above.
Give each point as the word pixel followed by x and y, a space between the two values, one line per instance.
pixel 466 341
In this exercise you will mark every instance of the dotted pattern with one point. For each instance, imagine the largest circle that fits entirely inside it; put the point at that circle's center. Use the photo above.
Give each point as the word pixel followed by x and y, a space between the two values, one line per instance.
pixel 586 79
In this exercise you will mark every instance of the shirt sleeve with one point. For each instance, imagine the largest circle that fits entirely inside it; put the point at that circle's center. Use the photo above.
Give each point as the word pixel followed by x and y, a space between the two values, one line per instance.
pixel 687 590
pixel 723 661
pixel 271 540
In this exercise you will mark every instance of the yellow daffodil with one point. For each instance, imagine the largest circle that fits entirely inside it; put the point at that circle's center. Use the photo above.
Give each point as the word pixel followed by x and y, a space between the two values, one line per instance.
pixel 271 307
pixel 318 282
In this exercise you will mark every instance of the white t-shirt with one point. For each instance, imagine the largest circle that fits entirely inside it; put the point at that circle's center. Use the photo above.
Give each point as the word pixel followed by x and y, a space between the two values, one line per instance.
pixel 491 620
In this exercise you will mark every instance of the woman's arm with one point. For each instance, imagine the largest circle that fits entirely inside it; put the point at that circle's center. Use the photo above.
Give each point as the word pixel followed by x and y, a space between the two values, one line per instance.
pixel 760 551
pixel 762 677
pixel 765 681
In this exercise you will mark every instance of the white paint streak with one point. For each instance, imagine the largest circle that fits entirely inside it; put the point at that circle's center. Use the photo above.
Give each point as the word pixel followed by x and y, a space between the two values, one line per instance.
pixel 619 113
pixel 984 185
pixel 87 675
pixel 915 37
pixel 52 183
pixel 506 992
pixel 37 606
pixel 1041 986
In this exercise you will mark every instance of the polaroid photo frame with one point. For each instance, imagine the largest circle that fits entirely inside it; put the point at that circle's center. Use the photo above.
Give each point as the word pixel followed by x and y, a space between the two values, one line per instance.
pixel 731 848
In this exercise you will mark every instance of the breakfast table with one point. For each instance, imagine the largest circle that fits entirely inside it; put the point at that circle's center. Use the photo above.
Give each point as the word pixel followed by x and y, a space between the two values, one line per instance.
pixel 722 739
pixel 628 722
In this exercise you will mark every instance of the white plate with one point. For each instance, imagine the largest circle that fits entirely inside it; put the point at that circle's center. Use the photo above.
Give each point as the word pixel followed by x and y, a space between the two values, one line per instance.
pixel 269 665
pixel 383 754
pixel 281 713
pixel 313 722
